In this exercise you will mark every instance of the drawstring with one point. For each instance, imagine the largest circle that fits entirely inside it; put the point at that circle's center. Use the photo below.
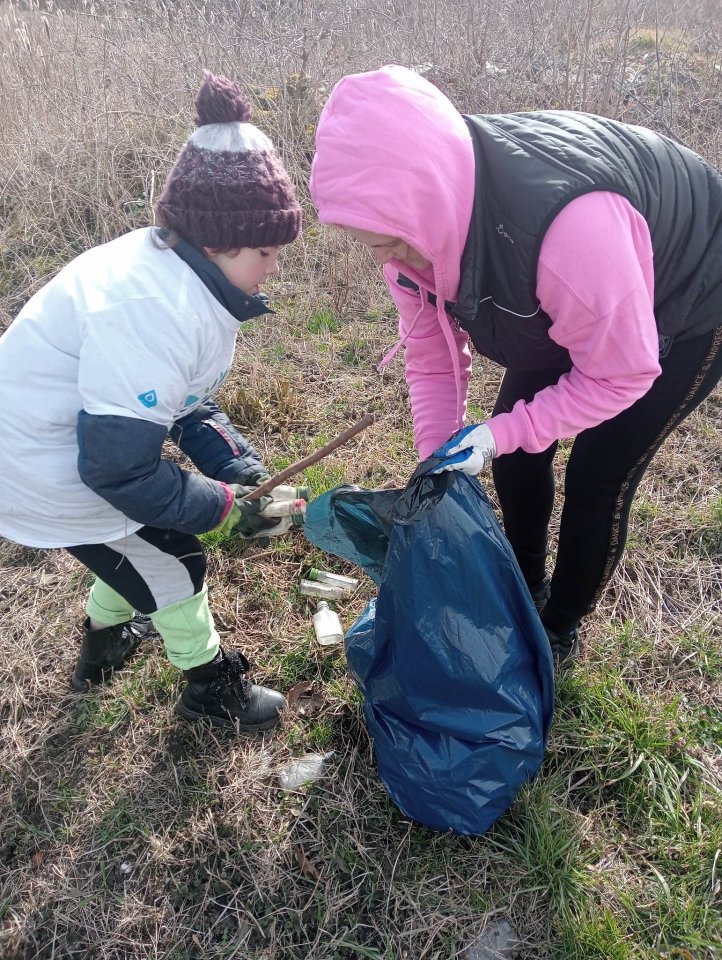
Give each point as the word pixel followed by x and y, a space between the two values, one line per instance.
pixel 453 350
pixel 388 357
pixel 450 342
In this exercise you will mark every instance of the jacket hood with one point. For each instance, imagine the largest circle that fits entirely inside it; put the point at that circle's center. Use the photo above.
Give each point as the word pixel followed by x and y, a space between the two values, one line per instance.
pixel 394 156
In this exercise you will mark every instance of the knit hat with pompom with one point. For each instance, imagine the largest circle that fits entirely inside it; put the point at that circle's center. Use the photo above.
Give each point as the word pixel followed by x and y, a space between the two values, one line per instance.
pixel 228 189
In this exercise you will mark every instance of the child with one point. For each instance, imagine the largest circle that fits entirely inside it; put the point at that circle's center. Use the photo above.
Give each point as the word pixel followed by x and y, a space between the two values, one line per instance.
pixel 123 348
pixel 581 254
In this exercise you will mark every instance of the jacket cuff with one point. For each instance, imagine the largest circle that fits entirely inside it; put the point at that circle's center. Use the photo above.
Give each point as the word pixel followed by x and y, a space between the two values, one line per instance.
pixel 230 497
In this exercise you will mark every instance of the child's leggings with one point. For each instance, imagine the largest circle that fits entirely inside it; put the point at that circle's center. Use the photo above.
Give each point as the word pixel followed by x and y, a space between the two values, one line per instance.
pixel 160 573
pixel 605 467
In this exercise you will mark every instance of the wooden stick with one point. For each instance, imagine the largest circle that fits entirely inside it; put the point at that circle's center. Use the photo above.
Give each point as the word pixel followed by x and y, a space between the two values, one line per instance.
pixel 312 458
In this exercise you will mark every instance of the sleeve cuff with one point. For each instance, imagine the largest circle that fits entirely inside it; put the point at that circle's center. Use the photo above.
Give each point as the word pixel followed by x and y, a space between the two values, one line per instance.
pixel 230 497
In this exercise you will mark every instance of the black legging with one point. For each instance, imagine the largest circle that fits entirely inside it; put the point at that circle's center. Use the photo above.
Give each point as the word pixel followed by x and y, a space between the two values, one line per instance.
pixel 605 467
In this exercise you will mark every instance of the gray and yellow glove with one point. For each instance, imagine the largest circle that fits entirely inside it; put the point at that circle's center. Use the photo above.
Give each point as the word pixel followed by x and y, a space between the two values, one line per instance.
pixel 269 516
pixel 245 518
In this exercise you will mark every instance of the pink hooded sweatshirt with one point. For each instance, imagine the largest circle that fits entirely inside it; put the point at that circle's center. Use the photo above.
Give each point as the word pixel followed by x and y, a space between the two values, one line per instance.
pixel 394 156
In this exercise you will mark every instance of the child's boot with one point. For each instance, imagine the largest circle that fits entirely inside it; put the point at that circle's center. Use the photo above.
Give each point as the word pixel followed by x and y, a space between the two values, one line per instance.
pixel 217 690
pixel 103 651
pixel 220 693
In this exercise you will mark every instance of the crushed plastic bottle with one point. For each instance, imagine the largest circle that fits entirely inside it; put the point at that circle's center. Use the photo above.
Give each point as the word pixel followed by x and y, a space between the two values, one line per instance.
pixel 498 941
pixel 303 770
pixel 327 626
pixel 333 579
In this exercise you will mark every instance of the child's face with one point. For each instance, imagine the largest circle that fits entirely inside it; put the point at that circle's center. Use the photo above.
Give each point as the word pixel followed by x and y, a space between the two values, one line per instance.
pixel 385 248
pixel 247 268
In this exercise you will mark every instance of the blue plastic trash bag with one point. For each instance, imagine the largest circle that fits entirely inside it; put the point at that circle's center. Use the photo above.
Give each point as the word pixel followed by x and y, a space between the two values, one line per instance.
pixel 451 657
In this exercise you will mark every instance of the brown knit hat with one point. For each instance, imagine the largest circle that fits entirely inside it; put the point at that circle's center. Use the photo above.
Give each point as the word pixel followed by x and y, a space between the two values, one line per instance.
pixel 228 189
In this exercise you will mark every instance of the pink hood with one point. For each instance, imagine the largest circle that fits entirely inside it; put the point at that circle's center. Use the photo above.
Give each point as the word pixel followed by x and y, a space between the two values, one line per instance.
pixel 394 156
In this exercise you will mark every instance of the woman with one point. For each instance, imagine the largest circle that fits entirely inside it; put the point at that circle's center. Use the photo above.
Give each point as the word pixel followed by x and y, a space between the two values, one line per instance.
pixel 581 254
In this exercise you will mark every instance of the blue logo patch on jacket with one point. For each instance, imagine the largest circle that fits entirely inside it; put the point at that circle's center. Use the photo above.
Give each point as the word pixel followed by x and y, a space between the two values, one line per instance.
pixel 148 399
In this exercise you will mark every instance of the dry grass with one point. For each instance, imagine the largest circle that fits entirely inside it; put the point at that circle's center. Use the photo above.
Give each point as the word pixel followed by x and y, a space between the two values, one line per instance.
pixel 125 834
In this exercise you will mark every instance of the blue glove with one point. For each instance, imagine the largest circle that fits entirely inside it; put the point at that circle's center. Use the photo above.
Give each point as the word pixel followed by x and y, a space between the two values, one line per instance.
pixel 471 450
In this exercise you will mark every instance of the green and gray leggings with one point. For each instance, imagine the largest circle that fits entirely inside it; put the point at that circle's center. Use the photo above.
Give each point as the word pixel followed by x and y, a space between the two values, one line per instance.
pixel 159 573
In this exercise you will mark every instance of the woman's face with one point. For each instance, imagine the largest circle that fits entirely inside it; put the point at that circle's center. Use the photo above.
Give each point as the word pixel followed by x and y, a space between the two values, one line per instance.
pixel 385 248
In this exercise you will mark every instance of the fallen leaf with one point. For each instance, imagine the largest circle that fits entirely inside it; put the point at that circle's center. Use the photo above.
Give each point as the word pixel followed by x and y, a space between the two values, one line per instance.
pixel 307 868
pixel 298 690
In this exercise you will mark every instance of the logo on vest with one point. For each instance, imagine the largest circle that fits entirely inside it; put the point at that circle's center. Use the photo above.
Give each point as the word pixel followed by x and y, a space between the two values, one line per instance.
pixel 503 234
pixel 149 398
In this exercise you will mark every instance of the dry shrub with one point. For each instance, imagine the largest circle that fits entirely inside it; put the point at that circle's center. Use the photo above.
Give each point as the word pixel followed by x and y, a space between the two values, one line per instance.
pixel 96 97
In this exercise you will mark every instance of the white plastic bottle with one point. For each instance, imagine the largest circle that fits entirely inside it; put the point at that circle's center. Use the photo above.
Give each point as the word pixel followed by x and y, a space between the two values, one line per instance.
pixel 295 509
pixel 290 493
pixel 327 626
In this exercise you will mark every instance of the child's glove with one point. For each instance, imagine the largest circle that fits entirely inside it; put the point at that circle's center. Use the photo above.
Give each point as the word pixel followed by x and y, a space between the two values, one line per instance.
pixel 252 477
pixel 246 517
pixel 470 450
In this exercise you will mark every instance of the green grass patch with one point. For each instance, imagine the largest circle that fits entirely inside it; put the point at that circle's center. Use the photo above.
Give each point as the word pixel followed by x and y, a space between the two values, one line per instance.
pixel 292 666
pixel 645 510
pixel 356 352
pixel 628 750
pixel 594 935
pixel 702 651
pixel 95 712
pixel 323 476
pixel 311 734
pixel 706 527
pixel 629 642
pixel 213 540
pixel 545 844
pixel 633 763
pixel 323 321
pixel 705 724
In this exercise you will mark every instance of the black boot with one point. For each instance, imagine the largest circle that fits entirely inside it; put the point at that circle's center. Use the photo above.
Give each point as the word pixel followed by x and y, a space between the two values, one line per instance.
pixel 108 649
pixel 565 647
pixel 220 693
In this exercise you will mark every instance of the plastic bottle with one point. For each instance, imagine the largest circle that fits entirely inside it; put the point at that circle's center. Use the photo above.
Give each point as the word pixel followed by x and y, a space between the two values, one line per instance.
pixel 295 509
pixel 327 626
pixel 334 579
pixel 307 588
pixel 290 493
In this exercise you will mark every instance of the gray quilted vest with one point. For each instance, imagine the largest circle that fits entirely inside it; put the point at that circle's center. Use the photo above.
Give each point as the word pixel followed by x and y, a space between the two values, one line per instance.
pixel 528 166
